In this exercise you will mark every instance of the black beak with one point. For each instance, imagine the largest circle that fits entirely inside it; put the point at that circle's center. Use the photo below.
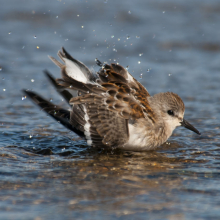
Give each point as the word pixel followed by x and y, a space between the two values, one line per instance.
pixel 187 125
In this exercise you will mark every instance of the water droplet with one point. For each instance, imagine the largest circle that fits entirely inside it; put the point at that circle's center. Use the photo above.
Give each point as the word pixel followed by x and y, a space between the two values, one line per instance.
pixel 4 90
pixel 32 80
pixel 51 99
pixel 0 68
pixel 112 36
pixel 55 32
pixel 119 39
pixel 30 136
pixel 140 54
pixel 141 75
pixel 38 47
pixel 110 25
pixel 9 32
pixel 114 49
pixel 3 78
pixel 139 62
pixel 170 50
pixel 35 36
pixel 127 67
pixel 23 47
pixel 82 26
pixel 164 12
pixel 23 97
pixel 70 86
pixel 77 15
pixel 137 37
pixel 57 16
pixel 128 37
pixel 148 70
pixel 129 12
pixel 170 74
pixel 66 39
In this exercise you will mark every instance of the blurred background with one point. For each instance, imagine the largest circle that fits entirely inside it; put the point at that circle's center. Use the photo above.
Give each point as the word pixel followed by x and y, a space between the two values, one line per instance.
pixel 48 172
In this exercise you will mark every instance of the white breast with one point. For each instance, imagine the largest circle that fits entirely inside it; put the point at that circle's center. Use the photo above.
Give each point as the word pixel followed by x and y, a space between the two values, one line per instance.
pixel 138 138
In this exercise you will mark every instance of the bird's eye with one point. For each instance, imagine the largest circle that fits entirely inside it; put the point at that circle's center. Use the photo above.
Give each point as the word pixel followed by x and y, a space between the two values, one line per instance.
pixel 170 112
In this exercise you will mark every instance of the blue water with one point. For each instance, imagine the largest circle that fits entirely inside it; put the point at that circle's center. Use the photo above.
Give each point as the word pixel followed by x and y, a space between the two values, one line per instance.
pixel 48 172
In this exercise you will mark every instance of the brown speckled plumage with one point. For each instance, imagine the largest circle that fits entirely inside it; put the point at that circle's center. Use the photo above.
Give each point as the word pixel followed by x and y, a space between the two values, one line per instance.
pixel 112 109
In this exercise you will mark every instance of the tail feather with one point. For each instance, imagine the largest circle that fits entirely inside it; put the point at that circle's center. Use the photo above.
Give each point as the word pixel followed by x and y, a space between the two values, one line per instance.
pixel 59 114
pixel 60 89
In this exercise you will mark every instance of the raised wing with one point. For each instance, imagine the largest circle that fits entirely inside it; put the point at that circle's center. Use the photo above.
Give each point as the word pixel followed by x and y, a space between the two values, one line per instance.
pixel 106 100
pixel 119 92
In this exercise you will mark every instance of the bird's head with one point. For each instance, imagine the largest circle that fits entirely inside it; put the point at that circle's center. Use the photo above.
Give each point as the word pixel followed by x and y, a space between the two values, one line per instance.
pixel 170 108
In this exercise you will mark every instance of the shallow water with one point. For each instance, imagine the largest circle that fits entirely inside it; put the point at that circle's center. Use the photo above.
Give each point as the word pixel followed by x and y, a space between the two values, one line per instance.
pixel 48 172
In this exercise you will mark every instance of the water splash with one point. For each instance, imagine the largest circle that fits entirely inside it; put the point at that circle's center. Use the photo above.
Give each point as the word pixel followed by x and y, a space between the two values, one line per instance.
pixel 23 97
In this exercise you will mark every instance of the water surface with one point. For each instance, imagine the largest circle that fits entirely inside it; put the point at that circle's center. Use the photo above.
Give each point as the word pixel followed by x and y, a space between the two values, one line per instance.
pixel 48 172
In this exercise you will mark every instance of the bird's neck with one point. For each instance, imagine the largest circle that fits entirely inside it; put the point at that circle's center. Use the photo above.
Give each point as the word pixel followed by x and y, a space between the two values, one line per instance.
pixel 160 133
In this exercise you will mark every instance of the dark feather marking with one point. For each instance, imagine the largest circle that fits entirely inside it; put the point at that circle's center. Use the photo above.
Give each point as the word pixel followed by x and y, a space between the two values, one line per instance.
pixel 60 89
pixel 48 106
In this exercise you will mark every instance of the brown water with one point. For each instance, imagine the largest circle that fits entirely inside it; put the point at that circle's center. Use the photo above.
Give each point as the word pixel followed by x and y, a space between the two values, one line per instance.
pixel 47 172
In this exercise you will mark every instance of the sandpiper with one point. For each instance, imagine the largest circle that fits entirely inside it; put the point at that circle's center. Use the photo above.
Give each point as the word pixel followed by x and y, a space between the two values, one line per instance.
pixel 112 109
